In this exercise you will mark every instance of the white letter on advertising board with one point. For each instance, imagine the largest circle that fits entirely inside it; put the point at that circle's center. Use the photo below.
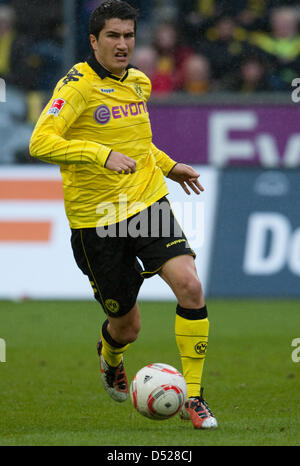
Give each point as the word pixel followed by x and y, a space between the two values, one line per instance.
pixel 262 226
pixel 269 154
pixel 294 253
pixel 222 149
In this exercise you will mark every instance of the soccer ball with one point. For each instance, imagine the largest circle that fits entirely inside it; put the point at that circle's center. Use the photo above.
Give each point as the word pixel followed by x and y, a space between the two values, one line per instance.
pixel 158 391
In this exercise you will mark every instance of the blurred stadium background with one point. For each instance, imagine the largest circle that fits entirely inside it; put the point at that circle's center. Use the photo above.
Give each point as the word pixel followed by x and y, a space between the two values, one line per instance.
pixel 225 99
pixel 224 74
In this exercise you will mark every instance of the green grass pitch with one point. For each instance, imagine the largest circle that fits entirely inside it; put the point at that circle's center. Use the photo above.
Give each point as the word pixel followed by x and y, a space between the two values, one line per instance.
pixel 51 392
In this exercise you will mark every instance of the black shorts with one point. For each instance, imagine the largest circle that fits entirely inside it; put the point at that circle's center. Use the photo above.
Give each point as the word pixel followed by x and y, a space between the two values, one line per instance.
pixel 109 256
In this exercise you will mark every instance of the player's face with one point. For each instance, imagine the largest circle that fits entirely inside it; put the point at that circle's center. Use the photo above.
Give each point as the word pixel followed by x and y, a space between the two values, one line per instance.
pixel 115 45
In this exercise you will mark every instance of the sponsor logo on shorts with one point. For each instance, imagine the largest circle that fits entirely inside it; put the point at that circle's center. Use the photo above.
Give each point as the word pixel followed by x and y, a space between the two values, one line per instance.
pixel 200 347
pixel 175 242
pixel 112 305
pixel 56 106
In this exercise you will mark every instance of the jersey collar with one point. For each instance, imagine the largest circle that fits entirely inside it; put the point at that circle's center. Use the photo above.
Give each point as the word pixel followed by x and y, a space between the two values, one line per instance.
pixel 102 72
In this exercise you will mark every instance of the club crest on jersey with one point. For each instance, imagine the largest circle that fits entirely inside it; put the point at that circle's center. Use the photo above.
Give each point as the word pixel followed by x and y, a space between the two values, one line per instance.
pixel 138 90
pixel 56 106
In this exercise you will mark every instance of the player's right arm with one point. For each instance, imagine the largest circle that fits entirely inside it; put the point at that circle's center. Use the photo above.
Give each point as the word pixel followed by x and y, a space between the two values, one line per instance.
pixel 120 163
pixel 48 141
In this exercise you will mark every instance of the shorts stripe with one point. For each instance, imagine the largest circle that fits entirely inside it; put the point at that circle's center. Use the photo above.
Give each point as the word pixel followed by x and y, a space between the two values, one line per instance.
pixel 161 266
pixel 90 268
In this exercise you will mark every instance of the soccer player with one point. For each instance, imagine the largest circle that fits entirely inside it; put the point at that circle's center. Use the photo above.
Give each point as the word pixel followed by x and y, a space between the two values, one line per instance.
pixel 97 128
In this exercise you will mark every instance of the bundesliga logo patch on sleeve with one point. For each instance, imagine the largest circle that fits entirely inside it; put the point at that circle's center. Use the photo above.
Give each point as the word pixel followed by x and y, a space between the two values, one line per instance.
pixel 56 106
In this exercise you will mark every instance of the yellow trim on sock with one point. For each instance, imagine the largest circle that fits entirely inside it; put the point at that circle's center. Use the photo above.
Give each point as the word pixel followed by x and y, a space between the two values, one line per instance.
pixel 113 356
pixel 191 339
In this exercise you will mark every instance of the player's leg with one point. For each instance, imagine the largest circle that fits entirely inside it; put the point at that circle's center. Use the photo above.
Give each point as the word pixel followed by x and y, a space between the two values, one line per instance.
pixel 117 333
pixel 116 336
pixel 168 253
pixel 191 329
pixel 114 274
pixel 191 323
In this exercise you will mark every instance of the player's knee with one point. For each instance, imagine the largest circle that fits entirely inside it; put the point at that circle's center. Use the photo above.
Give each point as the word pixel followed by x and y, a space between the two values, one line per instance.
pixel 191 291
pixel 133 332
pixel 129 333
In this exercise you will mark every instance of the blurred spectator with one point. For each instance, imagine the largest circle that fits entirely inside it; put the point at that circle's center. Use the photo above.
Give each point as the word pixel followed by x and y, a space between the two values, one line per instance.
pixel 165 10
pixel 13 50
pixel 254 14
pixel 7 37
pixel 199 15
pixel 83 11
pixel 45 60
pixel 145 58
pixel 281 47
pixel 272 4
pixel 37 56
pixel 224 45
pixel 145 8
pixel 194 17
pixel 251 77
pixel 196 75
pixel 37 19
pixel 171 55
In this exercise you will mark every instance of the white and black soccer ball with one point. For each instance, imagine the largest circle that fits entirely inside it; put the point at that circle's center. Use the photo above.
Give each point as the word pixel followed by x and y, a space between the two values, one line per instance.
pixel 158 391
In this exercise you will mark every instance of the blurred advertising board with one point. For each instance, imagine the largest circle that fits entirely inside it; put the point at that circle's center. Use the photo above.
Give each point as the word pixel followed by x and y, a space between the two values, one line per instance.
pixel 35 252
pixel 256 249
pixel 267 136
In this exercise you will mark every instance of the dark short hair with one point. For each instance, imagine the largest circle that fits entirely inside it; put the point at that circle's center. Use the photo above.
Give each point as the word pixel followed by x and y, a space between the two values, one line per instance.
pixel 111 9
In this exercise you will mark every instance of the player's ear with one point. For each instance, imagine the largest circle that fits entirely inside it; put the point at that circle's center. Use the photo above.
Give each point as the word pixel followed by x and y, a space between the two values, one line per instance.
pixel 93 42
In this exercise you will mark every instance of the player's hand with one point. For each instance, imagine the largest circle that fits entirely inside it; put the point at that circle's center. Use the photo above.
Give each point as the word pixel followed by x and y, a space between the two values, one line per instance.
pixel 187 177
pixel 120 163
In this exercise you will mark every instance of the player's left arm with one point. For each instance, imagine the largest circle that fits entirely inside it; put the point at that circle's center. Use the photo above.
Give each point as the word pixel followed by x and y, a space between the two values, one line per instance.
pixel 162 160
pixel 183 174
pixel 187 177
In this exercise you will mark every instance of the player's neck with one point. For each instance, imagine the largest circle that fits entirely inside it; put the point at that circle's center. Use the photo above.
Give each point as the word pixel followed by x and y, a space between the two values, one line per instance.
pixel 119 73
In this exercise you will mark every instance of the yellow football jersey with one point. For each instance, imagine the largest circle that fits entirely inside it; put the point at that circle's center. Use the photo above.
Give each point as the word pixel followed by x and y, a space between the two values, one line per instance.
pixel 91 113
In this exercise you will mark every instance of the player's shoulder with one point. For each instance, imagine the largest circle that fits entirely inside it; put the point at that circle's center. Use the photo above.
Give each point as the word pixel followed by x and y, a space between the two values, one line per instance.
pixel 79 78
pixel 140 79
pixel 136 73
